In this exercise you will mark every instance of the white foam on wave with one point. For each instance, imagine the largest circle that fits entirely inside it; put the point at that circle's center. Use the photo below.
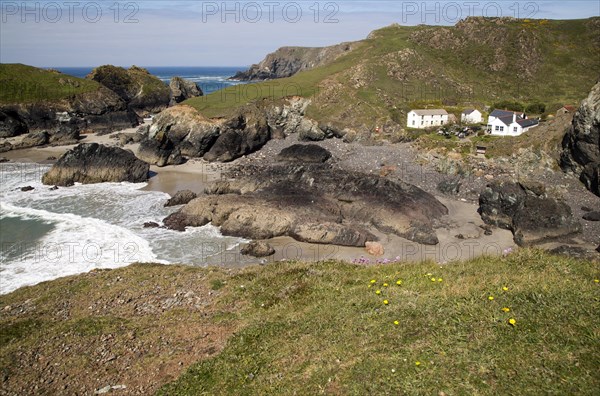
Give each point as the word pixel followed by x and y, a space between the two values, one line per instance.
pixel 96 226
pixel 75 245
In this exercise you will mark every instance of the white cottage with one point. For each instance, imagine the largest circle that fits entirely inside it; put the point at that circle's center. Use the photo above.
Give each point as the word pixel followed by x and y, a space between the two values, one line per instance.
pixel 471 116
pixel 422 119
pixel 509 123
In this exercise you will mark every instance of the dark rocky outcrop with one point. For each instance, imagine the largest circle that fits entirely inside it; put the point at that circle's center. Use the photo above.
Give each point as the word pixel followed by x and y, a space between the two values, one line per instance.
pixel 141 91
pixel 581 144
pixel 11 125
pixel 307 153
pixel 528 211
pixel 34 139
pixel 179 131
pixel 95 163
pixel 159 152
pixel 287 61
pixel 182 89
pixel 181 198
pixel 306 203
pixel 250 127
pixel 99 111
pixel 258 249
pixel 242 134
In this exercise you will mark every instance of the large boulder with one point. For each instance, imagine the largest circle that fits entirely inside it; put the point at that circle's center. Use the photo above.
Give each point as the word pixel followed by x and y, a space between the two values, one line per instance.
pixel 182 89
pixel 305 202
pixel 310 153
pixel 528 211
pixel 34 139
pixel 143 92
pixel 581 144
pixel 258 249
pixel 159 152
pixel 181 198
pixel 95 163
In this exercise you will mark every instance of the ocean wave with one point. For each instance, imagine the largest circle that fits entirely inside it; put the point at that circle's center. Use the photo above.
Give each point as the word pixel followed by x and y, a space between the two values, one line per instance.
pixel 75 245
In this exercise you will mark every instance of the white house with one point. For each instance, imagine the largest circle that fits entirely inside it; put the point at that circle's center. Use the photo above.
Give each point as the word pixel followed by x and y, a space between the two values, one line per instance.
pixel 509 123
pixel 471 116
pixel 422 119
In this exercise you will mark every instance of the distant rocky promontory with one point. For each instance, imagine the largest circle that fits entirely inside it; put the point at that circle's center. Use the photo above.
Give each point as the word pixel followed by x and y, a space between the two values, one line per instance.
pixel 287 61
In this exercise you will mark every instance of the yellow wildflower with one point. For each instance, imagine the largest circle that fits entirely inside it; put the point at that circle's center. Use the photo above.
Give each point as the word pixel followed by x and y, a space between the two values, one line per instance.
pixel 506 309
pixel 378 292
pixel 417 363
pixel 396 322
pixel 597 280
pixel 433 279
pixel 505 288
pixel 373 281
pixel 440 279
pixel 512 322
pixel 491 298
pixel 398 282
pixel 385 302
pixel 385 285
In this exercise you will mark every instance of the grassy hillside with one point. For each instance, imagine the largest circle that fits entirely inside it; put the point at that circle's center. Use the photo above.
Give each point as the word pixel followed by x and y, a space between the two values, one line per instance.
pixel 477 62
pixel 27 84
pixel 295 328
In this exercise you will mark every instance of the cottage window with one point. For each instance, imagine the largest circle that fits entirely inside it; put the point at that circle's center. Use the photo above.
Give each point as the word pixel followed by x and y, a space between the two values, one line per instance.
pixel 501 129
pixel 413 122
pixel 515 129
pixel 497 128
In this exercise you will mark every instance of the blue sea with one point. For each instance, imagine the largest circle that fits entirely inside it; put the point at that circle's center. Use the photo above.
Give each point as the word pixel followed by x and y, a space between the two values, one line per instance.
pixel 210 79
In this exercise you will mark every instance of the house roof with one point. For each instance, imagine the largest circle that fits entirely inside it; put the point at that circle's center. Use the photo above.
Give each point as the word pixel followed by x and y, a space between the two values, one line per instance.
pixel 468 111
pixel 506 120
pixel 504 113
pixel 527 123
pixel 431 112
pixel 569 108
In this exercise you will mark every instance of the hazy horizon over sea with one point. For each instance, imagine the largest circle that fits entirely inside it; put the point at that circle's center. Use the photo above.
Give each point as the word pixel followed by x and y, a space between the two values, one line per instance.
pixel 209 78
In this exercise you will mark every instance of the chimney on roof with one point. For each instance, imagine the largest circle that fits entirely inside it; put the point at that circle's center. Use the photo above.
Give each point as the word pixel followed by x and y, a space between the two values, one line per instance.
pixel 514 117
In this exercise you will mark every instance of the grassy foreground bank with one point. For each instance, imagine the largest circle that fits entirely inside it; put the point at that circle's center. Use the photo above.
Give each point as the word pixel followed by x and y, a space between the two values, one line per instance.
pixel 308 329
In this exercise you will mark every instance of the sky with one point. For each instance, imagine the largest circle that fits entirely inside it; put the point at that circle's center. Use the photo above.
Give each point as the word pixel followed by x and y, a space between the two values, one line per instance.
pixel 223 33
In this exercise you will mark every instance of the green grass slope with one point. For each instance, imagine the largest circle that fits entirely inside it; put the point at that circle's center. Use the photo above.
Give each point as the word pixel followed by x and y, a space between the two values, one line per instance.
pixel 27 84
pixel 479 61
pixel 321 328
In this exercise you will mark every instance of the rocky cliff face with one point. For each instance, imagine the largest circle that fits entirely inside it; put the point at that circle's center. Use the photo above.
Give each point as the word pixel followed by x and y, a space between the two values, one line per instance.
pixel 581 144
pixel 95 163
pixel 182 131
pixel 101 111
pixel 182 89
pixel 287 61
pixel 143 92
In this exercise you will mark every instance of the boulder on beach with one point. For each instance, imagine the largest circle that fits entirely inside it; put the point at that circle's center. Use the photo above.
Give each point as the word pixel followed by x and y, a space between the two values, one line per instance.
pixel 181 197
pixel 258 249
pixel 305 153
pixel 94 163
pixel 526 209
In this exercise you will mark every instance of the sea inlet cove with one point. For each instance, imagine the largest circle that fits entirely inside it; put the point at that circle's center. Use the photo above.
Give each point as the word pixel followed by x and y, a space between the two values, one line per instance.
pixel 299 198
